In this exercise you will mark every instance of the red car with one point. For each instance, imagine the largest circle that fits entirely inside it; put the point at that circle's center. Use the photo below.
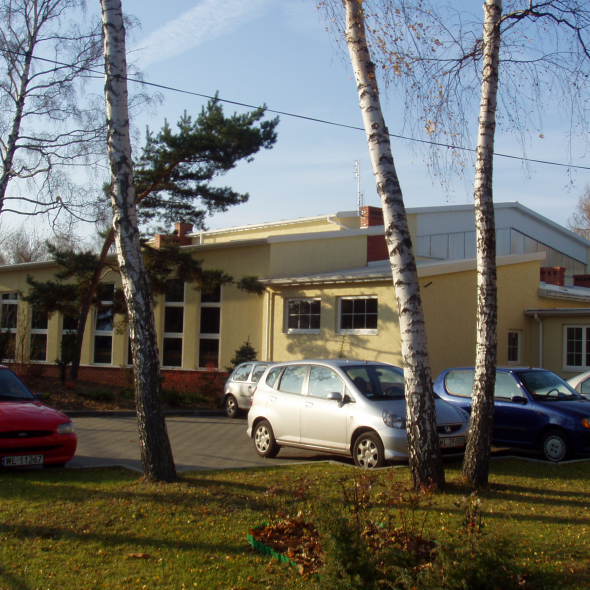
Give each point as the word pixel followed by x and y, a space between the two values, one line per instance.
pixel 31 433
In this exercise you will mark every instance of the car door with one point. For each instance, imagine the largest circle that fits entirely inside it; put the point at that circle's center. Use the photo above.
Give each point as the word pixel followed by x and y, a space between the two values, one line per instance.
pixel 515 422
pixel 324 421
pixel 238 386
pixel 284 403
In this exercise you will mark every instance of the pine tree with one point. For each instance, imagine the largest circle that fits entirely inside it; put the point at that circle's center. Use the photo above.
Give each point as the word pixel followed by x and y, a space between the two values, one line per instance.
pixel 243 354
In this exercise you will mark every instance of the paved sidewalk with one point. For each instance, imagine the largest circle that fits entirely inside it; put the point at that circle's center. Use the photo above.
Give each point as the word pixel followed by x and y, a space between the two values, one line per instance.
pixel 197 443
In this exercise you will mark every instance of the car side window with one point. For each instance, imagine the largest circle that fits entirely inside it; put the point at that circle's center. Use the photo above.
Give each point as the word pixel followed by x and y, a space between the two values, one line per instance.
pixel 242 373
pixel 506 387
pixel 585 386
pixel 293 378
pixel 323 381
pixel 460 383
pixel 272 376
pixel 257 372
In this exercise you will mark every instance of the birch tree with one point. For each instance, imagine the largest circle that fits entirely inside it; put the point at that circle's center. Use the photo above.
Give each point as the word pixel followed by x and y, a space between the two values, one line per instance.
pixel 46 126
pixel 423 443
pixel 533 54
pixel 156 453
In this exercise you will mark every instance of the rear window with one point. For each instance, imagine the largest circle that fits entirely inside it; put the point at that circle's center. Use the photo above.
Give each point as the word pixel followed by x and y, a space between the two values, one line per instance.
pixel 257 372
pixel 242 373
pixel 293 378
pixel 460 383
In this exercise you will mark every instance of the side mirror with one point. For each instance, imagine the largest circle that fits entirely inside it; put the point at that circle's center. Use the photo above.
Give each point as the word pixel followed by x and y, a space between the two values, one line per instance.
pixel 518 399
pixel 39 396
pixel 335 396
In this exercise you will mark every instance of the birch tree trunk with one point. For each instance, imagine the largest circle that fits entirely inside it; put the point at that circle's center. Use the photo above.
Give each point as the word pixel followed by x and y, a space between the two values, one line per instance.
pixel 477 456
pixel 423 442
pixel 156 454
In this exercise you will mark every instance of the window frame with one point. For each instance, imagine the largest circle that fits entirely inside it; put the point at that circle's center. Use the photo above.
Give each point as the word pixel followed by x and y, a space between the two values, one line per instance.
pixel 360 331
pixel 585 349
pixel 207 335
pixel 37 332
pixel 286 329
pixel 13 331
pixel 174 335
pixel 102 333
pixel 518 360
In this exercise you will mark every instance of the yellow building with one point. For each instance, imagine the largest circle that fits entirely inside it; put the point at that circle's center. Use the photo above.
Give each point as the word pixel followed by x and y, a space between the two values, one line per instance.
pixel 329 292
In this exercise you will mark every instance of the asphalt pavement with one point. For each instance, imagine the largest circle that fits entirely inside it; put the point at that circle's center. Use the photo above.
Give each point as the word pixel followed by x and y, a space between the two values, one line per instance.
pixel 214 442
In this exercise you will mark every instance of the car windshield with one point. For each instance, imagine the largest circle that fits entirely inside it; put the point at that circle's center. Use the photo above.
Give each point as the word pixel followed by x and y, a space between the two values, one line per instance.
pixel 547 386
pixel 12 388
pixel 377 382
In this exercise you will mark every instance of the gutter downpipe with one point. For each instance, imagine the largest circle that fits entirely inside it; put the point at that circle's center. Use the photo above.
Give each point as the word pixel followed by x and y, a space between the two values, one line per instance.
pixel 540 340
pixel 268 316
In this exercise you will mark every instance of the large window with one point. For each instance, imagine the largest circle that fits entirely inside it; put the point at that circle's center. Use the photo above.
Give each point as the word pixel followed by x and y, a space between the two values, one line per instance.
pixel 577 347
pixel 103 325
pixel 302 316
pixel 8 324
pixel 357 315
pixel 173 323
pixel 514 348
pixel 209 328
pixel 38 351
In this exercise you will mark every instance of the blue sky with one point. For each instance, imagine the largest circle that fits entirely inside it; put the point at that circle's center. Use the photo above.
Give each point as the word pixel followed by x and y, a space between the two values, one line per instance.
pixel 279 53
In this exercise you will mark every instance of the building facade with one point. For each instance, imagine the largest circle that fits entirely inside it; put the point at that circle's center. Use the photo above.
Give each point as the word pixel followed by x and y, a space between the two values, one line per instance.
pixel 328 293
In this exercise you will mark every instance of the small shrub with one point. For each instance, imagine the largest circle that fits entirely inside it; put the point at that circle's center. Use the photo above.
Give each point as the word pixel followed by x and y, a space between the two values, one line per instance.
pixel 127 393
pixel 99 395
pixel 242 354
pixel 172 397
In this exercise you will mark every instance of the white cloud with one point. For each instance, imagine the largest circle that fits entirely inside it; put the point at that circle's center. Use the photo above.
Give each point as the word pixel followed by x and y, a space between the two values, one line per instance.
pixel 206 21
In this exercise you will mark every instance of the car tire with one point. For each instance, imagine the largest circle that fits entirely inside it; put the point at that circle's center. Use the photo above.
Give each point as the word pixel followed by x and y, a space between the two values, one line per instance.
pixel 556 446
pixel 231 407
pixel 368 452
pixel 264 440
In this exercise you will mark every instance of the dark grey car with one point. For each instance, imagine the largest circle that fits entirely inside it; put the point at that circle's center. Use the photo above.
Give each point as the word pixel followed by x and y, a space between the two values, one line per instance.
pixel 239 386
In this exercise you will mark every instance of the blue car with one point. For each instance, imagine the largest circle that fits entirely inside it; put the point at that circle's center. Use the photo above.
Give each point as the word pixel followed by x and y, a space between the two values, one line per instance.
pixel 533 409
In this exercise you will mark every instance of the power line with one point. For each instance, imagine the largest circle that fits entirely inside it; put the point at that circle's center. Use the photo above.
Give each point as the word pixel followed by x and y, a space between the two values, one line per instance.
pixel 100 76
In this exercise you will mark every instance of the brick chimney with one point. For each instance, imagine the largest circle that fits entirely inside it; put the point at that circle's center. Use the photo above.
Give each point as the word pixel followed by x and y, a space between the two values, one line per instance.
pixel 371 216
pixel 553 275
pixel 582 281
pixel 182 229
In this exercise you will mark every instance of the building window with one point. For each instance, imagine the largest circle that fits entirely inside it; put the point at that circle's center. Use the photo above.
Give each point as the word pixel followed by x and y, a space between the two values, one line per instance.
pixel 38 350
pixel 173 324
pixel 302 316
pixel 8 324
pixel 357 315
pixel 103 325
pixel 209 328
pixel 577 347
pixel 514 347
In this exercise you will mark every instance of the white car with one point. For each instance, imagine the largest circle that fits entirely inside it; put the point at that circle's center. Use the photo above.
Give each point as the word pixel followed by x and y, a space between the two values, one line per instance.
pixel 581 383
pixel 344 407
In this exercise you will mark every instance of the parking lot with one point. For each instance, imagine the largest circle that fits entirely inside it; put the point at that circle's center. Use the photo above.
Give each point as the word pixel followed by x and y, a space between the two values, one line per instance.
pixel 197 443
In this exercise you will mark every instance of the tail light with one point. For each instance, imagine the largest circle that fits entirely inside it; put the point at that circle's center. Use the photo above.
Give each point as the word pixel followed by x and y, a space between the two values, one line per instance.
pixel 252 396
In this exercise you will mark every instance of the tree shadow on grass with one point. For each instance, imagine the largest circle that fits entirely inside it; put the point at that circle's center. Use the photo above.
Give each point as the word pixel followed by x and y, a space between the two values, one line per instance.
pixel 10 581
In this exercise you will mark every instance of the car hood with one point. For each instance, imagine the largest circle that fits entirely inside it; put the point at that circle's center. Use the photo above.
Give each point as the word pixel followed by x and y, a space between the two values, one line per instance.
pixel 575 409
pixel 30 416
pixel 446 413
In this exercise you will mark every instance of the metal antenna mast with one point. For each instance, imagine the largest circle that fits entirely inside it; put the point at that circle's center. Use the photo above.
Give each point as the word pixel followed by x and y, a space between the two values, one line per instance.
pixel 359 194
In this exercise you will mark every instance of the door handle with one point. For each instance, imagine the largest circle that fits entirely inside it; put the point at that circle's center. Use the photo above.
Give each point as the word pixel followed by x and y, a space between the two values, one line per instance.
pixel 308 404
pixel 273 399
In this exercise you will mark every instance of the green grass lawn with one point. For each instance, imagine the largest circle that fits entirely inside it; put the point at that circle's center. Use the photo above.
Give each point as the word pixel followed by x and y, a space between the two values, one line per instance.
pixel 105 528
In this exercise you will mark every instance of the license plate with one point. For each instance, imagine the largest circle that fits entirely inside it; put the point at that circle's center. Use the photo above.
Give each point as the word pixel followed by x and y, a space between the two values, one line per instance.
pixel 21 460
pixel 453 441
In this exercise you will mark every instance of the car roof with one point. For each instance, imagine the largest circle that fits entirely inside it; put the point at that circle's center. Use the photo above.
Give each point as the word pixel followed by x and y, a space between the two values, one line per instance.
pixel 335 362
pixel 501 369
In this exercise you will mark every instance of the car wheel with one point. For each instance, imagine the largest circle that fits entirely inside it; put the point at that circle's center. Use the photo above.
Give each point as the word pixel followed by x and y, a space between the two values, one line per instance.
pixel 264 440
pixel 368 452
pixel 556 446
pixel 231 407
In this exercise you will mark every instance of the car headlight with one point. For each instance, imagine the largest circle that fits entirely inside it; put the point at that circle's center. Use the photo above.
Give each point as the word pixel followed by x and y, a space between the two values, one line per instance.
pixel 586 422
pixel 465 414
pixel 393 420
pixel 65 428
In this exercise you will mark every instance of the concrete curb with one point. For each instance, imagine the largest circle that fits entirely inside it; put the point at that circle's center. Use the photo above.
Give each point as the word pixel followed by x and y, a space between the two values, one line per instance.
pixel 132 414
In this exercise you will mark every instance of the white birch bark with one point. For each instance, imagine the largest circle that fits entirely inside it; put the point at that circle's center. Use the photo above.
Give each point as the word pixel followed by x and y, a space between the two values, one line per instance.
pixel 156 454
pixel 477 456
pixel 423 443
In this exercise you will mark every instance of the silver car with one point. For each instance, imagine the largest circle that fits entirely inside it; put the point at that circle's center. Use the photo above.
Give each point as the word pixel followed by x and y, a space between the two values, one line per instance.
pixel 344 407
pixel 239 387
